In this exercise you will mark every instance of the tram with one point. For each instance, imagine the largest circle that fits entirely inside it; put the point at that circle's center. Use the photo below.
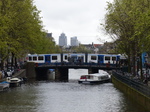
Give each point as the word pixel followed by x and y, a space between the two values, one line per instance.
pixel 74 58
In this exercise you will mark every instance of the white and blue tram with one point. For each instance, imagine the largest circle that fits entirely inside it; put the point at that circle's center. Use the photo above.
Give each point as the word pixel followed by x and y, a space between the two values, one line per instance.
pixel 74 58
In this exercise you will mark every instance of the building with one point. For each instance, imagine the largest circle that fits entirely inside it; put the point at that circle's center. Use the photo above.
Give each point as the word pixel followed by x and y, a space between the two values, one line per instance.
pixel 74 41
pixel 62 40
pixel 49 35
pixel 94 48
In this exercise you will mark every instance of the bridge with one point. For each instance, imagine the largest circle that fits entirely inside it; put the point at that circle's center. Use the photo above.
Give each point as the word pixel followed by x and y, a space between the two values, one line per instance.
pixel 61 71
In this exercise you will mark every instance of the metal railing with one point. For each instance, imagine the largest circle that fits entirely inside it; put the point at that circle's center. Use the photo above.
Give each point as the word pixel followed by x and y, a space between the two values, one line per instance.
pixel 136 84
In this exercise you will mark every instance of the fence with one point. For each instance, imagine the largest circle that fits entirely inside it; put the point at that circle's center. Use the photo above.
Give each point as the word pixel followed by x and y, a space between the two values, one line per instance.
pixel 136 84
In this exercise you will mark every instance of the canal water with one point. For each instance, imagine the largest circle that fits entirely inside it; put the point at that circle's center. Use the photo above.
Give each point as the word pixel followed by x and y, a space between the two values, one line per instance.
pixel 44 96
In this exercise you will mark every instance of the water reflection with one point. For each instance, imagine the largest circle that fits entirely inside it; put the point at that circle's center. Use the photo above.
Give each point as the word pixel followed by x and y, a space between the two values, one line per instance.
pixel 78 98
pixel 66 97
pixel 18 99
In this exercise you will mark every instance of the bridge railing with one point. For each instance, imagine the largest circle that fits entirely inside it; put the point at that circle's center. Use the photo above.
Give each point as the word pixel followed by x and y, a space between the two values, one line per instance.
pixel 136 84
pixel 78 64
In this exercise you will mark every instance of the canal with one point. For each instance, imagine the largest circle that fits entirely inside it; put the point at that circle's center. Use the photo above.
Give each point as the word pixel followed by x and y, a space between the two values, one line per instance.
pixel 43 96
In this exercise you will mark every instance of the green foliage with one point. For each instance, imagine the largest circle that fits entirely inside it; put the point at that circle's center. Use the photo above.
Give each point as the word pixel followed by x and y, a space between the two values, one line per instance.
pixel 21 29
pixel 81 49
pixel 128 22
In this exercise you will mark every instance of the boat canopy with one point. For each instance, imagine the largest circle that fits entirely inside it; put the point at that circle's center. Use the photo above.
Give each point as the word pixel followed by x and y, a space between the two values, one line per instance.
pixel 94 75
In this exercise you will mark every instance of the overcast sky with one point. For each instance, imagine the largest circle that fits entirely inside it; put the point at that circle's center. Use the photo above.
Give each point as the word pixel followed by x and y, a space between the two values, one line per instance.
pixel 79 18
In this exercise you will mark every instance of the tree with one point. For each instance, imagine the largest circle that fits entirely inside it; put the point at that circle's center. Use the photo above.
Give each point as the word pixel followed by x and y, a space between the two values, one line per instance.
pixel 127 21
pixel 21 30
pixel 4 25
pixel 81 49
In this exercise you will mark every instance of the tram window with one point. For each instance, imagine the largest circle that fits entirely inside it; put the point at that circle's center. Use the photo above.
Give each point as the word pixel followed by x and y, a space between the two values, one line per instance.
pixel 93 57
pixel 107 58
pixel 54 57
pixel 66 57
pixel 30 58
pixel 40 58
pixel 113 58
pixel 82 57
pixel 34 58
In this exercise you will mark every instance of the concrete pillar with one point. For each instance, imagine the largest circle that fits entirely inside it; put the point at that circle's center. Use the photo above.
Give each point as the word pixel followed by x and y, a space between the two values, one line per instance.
pixel 61 74
pixel 57 74
pixel 93 70
pixel 30 70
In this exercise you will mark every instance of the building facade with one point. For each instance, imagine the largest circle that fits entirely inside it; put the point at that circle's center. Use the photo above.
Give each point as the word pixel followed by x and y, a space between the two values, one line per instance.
pixel 74 41
pixel 49 35
pixel 62 40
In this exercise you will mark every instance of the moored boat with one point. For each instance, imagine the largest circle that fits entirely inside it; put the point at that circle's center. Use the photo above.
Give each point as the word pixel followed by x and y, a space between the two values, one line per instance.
pixel 94 78
pixel 4 86
pixel 14 82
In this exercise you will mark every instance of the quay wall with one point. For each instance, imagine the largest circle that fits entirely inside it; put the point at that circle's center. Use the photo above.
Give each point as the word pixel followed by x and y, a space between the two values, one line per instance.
pixel 134 94
pixel 21 73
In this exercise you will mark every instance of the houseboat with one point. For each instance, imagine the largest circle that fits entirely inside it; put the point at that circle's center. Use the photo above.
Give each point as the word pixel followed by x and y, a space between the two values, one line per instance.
pixel 94 78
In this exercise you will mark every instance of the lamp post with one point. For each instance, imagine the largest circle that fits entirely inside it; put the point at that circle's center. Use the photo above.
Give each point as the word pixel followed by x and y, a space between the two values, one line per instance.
pixel 146 67
pixel 137 59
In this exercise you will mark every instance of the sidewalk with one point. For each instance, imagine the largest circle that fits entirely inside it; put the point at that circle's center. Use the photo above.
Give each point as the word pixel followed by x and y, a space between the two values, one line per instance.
pixel 20 73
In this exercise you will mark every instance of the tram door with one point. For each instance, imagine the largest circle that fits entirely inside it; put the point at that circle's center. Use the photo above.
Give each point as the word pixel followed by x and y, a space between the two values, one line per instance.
pixel 47 59
pixel 74 59
pixel 100 59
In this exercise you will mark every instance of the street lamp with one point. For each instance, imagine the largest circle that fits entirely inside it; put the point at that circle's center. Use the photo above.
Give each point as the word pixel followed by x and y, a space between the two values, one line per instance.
pixel 137 61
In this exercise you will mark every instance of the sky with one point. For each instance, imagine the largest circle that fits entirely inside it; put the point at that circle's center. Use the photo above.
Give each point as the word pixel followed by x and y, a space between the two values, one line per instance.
pixel 80 18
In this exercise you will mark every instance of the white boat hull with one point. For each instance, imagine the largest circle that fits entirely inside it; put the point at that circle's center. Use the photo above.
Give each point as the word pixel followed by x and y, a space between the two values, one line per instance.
pixel 14 82
pixel 93 82
pixel 94 78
